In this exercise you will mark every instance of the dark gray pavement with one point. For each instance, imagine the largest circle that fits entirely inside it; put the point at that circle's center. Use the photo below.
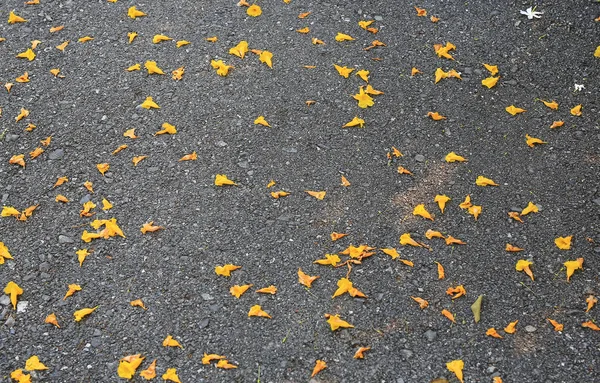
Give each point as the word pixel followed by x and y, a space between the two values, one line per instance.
pixel 172 270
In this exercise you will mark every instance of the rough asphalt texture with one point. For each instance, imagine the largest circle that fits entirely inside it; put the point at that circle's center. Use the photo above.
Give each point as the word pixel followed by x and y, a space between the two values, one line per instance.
pixel 173 270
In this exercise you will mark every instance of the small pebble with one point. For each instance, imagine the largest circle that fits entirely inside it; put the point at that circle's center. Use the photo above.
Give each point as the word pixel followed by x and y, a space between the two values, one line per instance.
pixel 65 239
pixel 22 306
pixel 430 335
pixel 30 277
pixel 10 322
pixel 56 155
pixel 203 323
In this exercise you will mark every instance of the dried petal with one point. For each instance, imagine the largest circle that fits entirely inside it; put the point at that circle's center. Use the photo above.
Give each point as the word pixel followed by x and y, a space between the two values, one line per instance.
pixel 514 110
pixel 563 243
pixel 493 333
pixel 306 279
pixel 320 365
pixel 335 322
pixel 257 311
pixel 226 270
pixel 557 326
pixel 441 200
pixel 456 366
pixel 422 302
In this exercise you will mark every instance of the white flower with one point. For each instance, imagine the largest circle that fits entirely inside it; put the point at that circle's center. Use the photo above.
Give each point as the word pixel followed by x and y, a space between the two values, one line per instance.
pixel 531 13
pixel 579 87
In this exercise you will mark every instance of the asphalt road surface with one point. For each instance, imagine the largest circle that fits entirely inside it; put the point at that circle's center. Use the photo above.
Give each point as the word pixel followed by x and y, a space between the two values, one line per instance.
pixel 172 270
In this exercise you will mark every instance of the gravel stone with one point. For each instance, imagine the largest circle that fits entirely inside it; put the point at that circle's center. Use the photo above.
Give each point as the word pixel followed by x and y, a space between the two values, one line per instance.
pixel 203 323
pixel 65 239
pixel 85 198
pixel 56 154
pixel 430 335
pixel 30 277
pixel 5 300
pixel 10 322
pixel 172 270
pixel 22 306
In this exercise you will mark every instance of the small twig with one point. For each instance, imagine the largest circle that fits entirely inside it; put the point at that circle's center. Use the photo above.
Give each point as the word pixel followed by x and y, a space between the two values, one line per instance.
pixel 311 293
pixel 528 288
